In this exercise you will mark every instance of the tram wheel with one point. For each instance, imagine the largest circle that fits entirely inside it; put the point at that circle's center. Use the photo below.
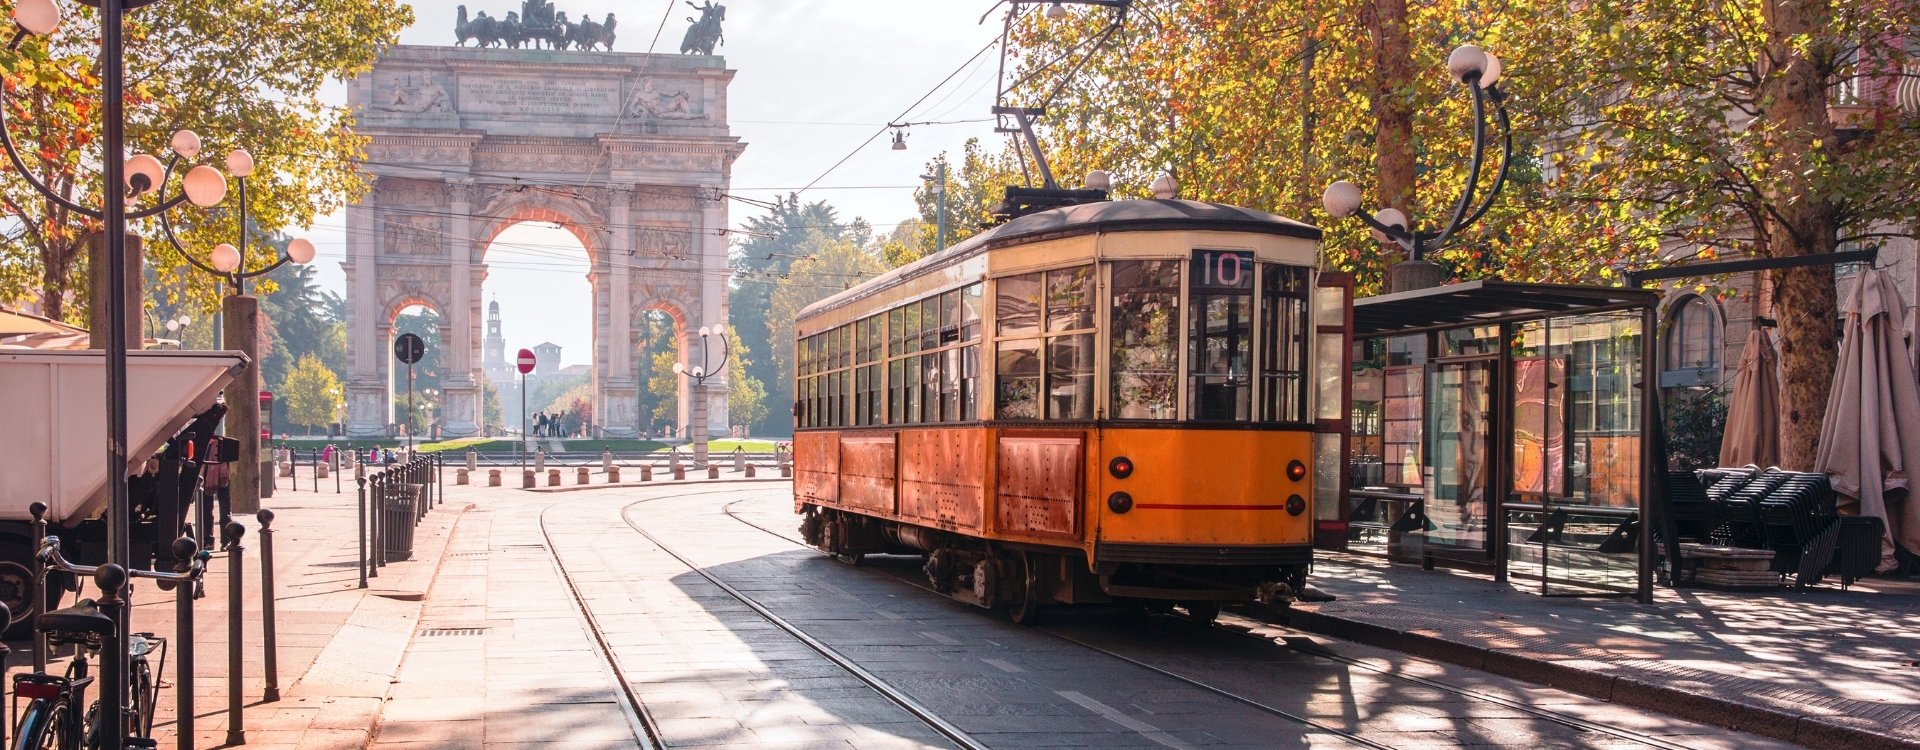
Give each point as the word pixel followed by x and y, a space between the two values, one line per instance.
pixel 1025 609
pixel 1202 612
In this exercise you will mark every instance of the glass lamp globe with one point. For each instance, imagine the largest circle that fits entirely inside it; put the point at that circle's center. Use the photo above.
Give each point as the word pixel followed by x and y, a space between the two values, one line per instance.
pixel 239 163
pixel 173 325
pixel 719 329
pixel 144 165
pixel 1391 217
pixel 706 331
pixel 1492 74
pixel 186 143
pixel 1466 60
pixel 186 321
pixel 679 369
pixel 40 17
pixel 226 258
pixel 300 251
pixel 1341 199
pixel 1056 12
pixel 699 371
pixel 1099 179
pixel 205 186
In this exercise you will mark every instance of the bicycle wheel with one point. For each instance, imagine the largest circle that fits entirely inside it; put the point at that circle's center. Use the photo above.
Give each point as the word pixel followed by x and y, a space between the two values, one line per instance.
pixel 45 726
pixel 145 695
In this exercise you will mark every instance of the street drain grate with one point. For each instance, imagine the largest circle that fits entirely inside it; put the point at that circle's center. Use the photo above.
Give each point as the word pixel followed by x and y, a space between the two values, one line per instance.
pixel 431 632
pixel 466 554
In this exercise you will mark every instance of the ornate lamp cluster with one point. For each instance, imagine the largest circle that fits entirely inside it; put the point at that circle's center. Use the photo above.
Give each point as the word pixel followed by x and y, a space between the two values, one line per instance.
pixel 701 372
pixel 1480 71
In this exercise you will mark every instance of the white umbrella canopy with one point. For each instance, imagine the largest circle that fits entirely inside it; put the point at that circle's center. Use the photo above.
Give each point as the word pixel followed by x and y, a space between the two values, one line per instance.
pixel 1753 413
pixel 1870 440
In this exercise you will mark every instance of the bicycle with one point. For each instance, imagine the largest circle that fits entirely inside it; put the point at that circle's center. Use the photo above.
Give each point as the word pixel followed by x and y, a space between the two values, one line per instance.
pixel 52 719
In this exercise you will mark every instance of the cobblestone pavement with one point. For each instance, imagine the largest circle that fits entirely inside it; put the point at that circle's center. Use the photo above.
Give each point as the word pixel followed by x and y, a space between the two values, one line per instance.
pixel 1821 667
pixel 504 657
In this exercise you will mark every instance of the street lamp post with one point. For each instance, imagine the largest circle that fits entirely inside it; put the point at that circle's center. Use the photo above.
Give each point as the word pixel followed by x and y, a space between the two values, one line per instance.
pixel 1480 72
pixel 179 326
pixel 697 432
pixel 939 180
pixel 122 179
pixel 240 311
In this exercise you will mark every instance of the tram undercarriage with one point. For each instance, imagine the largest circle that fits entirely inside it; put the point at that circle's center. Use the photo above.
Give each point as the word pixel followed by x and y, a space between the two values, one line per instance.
pixel 1024 578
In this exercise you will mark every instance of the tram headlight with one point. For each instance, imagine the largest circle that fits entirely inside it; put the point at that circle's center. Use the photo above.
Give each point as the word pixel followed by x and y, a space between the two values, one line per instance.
pixel 1120 467
pixel 1121 502
pixel 1296 471
pixel 1296 505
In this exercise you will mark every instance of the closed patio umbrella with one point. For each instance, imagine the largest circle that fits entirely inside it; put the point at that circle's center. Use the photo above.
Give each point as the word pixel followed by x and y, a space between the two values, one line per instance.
pixel 1753 413
pixel 1870 441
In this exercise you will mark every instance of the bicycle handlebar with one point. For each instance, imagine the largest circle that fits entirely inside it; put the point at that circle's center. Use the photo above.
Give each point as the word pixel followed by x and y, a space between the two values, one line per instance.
pixel 50 556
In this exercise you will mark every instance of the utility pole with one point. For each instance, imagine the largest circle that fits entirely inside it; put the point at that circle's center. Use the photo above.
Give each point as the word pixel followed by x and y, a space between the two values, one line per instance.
pixel 939 179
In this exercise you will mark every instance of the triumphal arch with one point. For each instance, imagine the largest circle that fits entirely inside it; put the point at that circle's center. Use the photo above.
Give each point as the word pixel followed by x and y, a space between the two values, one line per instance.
pixel 629 152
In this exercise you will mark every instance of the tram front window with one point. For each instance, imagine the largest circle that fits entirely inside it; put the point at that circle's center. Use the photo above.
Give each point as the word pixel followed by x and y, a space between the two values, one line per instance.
pixel 1220 336
pixel 1146 339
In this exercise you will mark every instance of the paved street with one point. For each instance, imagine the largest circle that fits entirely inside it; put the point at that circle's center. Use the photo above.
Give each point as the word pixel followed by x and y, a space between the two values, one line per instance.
pixel 482 641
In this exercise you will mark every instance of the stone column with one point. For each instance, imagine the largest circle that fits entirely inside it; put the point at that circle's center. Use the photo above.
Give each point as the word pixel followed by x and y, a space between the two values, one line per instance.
pixel 460 388
pixel 619 409
pixel 366 395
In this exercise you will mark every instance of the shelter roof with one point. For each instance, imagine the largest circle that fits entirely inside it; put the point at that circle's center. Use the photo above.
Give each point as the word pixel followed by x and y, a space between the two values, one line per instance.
pixel 1486 303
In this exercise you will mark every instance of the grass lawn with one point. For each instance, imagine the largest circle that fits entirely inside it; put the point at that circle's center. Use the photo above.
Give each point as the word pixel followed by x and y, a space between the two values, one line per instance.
pixel 752 446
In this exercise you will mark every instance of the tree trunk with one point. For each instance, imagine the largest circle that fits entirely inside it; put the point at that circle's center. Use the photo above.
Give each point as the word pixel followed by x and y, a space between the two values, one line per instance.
pixel 1392 106
pixel 1803 223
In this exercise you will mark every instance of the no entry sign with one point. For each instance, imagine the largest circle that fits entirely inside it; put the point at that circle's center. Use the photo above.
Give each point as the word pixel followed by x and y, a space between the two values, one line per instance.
pixel 409 348
pixel 526 361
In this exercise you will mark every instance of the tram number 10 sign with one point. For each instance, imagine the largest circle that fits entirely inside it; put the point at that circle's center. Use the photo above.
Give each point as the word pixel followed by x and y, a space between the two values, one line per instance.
pixel 1222 269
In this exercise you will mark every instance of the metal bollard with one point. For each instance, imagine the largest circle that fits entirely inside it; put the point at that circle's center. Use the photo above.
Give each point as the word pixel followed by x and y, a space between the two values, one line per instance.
pixel 184 553
pixel 267 624
pixel 363 531
pixel 236 607
pixel 381 488
pixel 111 580
pixel 38 605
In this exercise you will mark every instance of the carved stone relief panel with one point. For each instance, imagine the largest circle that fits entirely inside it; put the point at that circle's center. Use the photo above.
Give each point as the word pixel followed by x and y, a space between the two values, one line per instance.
pixel 665 198
pixel 400 191
pixel 663 241
pixel 411 92
pixel 425 151
pixel 667 99
pixel 414 235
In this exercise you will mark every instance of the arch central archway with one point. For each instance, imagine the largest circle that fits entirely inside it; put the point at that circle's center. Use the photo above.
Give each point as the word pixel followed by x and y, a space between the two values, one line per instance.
pixel 549 137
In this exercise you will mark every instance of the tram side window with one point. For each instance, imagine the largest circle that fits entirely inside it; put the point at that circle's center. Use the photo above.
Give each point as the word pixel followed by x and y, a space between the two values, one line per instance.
pixel 1044 362
pixel 1146 336
pixel 1285 336
pixel 1220 337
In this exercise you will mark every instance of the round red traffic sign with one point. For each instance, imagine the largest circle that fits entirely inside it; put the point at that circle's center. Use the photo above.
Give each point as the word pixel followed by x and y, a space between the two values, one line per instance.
pixel 526 361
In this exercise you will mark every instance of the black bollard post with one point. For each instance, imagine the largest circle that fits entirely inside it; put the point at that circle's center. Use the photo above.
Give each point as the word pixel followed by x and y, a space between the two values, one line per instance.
pixel 38 605
pixel 111 580
pixel 316 469
pixel 266 607
pixel 333 462
pixel 379 500
pixel 185 550
pixel 362 481
pixel 236 608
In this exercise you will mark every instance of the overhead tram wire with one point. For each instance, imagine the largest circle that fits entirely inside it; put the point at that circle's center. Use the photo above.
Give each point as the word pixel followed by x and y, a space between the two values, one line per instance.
pixel 909 110
pixel 664 15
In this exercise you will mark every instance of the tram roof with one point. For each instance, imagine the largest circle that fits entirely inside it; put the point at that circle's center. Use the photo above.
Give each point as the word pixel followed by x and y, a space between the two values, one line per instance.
pixel 1486 302
pixel 1085 218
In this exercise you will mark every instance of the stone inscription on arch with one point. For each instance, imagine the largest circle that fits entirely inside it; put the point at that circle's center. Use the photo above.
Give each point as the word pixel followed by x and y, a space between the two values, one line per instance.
pixel 629 152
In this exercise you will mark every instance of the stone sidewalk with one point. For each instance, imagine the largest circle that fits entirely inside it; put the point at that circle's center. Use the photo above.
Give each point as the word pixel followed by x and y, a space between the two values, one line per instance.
pixel 1820 667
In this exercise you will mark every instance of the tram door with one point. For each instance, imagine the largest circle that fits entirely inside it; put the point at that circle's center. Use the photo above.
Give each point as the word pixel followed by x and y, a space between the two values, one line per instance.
pixel 1460 424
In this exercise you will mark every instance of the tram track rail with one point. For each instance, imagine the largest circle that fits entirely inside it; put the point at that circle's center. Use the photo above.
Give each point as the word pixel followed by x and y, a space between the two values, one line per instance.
pixel 1293 643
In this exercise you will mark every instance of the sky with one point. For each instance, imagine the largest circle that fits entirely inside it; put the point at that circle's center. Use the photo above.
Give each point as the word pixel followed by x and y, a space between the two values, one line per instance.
pixel 814 79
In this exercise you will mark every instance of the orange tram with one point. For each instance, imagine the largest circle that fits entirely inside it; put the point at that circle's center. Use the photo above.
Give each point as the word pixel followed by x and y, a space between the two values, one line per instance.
pixel 1105 402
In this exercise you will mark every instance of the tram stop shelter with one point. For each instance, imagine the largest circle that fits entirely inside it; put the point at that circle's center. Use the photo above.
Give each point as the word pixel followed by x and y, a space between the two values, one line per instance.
pixel 1506 427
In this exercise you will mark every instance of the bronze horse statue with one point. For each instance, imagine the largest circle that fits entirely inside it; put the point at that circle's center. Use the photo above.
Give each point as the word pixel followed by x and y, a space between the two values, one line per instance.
pixel 704 34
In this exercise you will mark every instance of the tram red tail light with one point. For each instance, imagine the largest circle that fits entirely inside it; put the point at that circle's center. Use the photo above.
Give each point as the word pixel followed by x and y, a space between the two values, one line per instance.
pixel 1296 505
pixel 1296 471
pixel 1120 502
pixel 1121 467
